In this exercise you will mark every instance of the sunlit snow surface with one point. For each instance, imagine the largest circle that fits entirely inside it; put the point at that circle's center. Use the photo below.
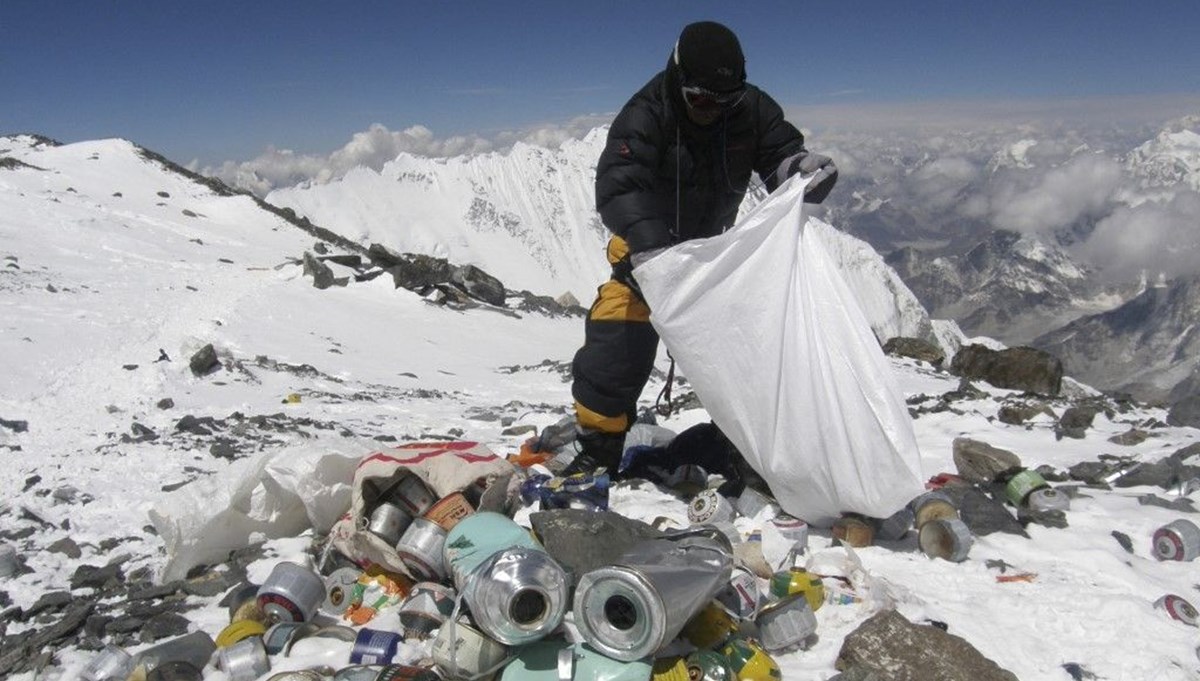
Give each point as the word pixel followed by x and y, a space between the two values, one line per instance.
pixel 92 284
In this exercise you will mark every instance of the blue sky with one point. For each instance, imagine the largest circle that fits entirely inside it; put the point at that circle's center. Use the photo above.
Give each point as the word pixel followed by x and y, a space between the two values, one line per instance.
pixel 217 81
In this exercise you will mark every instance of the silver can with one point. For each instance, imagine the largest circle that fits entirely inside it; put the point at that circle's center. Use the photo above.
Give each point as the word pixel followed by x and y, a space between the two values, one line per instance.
pixel 792 529
pixel 711 508
pixel 388 522
pixel 110 664
pixel 630 610
pixel 461 651
pixel 1048 499
pixel 518 596
pixel 1178 540
pixel 339 590
pixel 947 539
pixel 932 506
pixel 245 660
pixel 421 550
pixel 786 624
pixel 1178 608
pixel 414 495
pixel 291 593
pixel 742 596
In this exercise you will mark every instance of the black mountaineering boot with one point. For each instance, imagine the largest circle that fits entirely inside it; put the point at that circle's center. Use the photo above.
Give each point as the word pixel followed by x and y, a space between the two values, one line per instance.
pixel 597 450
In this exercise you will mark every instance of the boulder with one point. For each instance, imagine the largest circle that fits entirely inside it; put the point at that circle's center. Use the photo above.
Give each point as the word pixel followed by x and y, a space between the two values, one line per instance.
pixel 915 348
pixel 898 650
pixel 419 272
pixel 479 284
pixel 1185 412
pixel 204 360
pixel 1021 368
pixel 979 462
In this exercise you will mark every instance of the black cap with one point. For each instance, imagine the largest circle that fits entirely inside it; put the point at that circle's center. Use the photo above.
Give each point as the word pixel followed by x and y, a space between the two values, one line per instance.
pixel 709 55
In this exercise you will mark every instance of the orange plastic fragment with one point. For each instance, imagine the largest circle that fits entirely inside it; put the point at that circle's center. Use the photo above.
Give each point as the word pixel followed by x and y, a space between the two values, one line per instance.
pixel 1022 577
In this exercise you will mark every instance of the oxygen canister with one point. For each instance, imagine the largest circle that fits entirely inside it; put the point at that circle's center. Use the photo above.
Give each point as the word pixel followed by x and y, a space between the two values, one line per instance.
pixel 631 609
pixel 239 630
pixel 421 548
pixel 555 660
pixel 710 627
pixel 947 539
pixel 245 660
pixel 110 664
pixel 1177 540
pixel 1178 608
pixel 516 592
pixel 798 581
pixel 1019 486
pixel 786 624
pixel 1048 499
pixel 388 522
pixel 710 507
pixel 750 662
pixel 708 665
pixel 413 495
pixel 291 593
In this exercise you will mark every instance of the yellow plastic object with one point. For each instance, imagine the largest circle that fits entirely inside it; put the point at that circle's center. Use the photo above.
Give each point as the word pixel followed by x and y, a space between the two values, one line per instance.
pixel 750 662
pixel 239 630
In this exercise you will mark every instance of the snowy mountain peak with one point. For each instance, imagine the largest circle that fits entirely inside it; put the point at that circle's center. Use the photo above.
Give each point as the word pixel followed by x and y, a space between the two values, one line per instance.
pixel 1172 158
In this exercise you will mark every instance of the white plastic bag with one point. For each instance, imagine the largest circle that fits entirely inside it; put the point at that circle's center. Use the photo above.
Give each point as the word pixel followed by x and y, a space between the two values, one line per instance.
pixel 774 344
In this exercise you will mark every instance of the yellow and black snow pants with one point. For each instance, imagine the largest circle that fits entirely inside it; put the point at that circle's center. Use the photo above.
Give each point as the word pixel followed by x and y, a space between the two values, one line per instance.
pixel 617 356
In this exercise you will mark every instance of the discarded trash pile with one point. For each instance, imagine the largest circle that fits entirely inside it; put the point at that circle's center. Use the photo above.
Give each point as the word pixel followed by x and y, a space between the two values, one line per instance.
pixel 431 541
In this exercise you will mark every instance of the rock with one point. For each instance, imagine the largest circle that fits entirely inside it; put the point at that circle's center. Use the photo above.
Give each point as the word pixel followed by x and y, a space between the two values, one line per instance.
pixel 1156 474
pixel 224 448
pixel 165 403
pixel 67 547
pixel 382 256
pixel 125 624
pixel 584 540
pixel 202 426
pixel 22 656
pixel 1177 504
pixel 1185 412
pixel 1021 368
pixel 164 625
pixel 1051 474
pixel 321 273
pixel 1075 421
pixel 1182 455
pixel 1018 414
pixel 1091 472
pixel 915 348
pixel 479 284
pixel 1052 518
pixel 211 583
pixel 567 299
pixel 350 260
pixel 204 361
pixel 1124 540
pixel 91 576
pixel 14 426
pixel 520 430
pixel 1130 438
pixel 898 650
pixel 50 602
pixel 418 272
pixel 979 462
pixel 982 514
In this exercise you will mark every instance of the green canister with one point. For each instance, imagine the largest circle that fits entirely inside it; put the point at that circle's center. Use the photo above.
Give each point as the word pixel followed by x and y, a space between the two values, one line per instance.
pixel 1021 485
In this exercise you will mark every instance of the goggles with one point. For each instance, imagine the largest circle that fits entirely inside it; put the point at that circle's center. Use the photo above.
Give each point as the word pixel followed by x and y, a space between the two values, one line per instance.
pixel 709 100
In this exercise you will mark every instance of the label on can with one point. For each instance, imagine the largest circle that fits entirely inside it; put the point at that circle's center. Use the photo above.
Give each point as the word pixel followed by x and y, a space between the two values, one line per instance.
pixel 373 646
pixel 798 581
pixel 449 510
pixel 742 595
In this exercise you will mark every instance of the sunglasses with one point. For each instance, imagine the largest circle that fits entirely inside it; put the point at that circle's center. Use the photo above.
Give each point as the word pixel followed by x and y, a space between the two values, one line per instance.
pixel 702 98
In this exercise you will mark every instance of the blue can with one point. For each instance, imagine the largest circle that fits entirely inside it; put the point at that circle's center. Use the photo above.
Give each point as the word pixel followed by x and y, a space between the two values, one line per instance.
pixel 374 646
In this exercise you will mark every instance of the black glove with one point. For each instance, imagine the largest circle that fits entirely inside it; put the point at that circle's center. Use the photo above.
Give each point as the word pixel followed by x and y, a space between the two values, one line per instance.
pixel 818 166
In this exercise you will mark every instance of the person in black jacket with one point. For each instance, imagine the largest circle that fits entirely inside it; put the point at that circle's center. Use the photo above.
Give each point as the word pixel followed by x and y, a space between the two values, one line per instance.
pixel 677 164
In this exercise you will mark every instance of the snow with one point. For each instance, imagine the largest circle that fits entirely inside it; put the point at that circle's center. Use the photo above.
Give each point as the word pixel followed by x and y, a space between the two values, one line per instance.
pixel 133 275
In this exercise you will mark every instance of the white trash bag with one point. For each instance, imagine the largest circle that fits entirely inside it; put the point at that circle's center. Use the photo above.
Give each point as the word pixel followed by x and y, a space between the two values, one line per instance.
pixel 777 349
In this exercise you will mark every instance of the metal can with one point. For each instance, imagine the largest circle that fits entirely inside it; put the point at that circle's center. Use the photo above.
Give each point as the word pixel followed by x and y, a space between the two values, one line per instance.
pixel 798 581
pixel 388 522
pixel 373 646
pixel 708 665
pixel 239 630
pixel 277 637
pixel 427 607
pixel 358 672
pixel 750 662
pixel 245 660
pixel 406 672
pixel 932 506
pixel 291 593
pixel 413 495
pixel 947 539
pixel 196 647
pixel 339 591
pixel 711 508
pixel 742 597
pixel 421 549
pixel 1177 540
pixel 110 664
pixel 449 510
pixel 461 651
pixel 786 624
pixel 299 675
pixel 895 526
pixel 1178 608
pixel 243 604
pixel 174 670
pixel 792 529
pixel 1048 499
pixel 1019 486
pixel 710 627
pixel 854 531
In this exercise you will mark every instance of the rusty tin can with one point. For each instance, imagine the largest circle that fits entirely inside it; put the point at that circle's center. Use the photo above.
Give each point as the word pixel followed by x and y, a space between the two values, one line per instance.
pixel 932 506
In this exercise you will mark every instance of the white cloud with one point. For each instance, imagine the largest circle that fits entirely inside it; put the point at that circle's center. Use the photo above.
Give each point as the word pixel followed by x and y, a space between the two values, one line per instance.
pixel 1152 237
pixel 1057 198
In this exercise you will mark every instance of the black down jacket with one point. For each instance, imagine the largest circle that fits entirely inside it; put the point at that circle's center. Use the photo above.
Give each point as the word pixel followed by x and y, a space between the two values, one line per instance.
pixel 662 179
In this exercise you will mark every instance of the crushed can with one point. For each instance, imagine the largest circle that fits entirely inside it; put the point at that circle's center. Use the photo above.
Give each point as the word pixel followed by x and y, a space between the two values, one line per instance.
pixel 708 665
pixel 515 591
pixel 110 664
pixel 710 507
pixel 460 651
pixel 421 549
pixel 932 506
pixel 634 607
pixel 742 596
pixel 1048 499
pixel 1019 486
pixel 854 531
pixel 388 522
pixel 786 624
pixel 710 627
pixel 554 660
pixel 1178 608
pixel 374 646
pixel 796 581
pixel 427 607
pixel 750 662
pixel 245 660
pixel 291 593
pixel 946 539
pixel 239 630
pixel 1177 540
